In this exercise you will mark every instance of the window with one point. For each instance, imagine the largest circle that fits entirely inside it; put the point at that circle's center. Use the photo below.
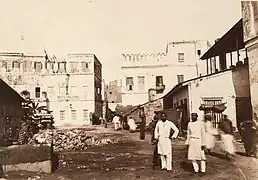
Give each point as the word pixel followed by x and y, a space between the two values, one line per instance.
pixel 159 81
pixel 141 82
pixel 62 90
pixel 98 90
pixel 181 57
pixel 38 67
pixel 50 67
pixel 110 92
pixel 2 64
pixel 74 90
pixel 84 91
pixel 74 67
pixel 215 116
pixel 85 115
pixel 16 64
pixel 61 67
pixel 129 83
pixel 9 66
pixel 27 66
pixel 37 92
pixel 62 115
pixel 198 52
pixel 85 66
pixel 51 91
pixel 180 78
pixel 74 115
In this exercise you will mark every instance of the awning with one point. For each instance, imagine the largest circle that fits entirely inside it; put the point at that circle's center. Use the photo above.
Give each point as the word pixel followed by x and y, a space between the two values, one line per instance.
pixel 230 42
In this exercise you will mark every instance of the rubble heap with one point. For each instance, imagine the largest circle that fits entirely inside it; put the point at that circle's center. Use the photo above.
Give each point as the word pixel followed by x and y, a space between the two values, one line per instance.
pixel 75 139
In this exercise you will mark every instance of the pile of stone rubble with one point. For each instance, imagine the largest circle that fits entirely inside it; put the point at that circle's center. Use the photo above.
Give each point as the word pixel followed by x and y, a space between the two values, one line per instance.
pixel 73 139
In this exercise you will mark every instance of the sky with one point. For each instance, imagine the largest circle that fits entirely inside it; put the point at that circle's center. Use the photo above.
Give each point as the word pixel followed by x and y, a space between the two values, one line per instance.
pixel 109 28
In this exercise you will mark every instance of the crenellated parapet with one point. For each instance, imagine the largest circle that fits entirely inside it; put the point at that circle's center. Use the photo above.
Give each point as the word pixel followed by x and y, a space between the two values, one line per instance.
pixel 139 57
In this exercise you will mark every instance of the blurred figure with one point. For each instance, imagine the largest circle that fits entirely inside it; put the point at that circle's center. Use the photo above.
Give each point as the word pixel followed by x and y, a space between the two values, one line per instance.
pixel 227 137
pixel 196 142
pixel 131 124
pixel 116 122
pixel 249 129
pixel 163 133
pixel 210 132
pixel 179 121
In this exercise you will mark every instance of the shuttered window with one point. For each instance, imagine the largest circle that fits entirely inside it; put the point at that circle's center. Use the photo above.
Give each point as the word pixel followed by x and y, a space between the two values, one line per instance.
pixel 74 115
pixel 62 115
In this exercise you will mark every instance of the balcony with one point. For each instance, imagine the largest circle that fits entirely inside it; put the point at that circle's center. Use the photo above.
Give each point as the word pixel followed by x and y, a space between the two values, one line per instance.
pixel 160 88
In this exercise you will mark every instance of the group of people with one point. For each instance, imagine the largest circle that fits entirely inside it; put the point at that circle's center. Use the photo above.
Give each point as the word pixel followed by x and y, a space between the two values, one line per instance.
pixel 201 138
pixel 118 124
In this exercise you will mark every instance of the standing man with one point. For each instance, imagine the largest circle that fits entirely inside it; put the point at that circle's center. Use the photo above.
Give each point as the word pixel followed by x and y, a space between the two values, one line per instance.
pixel 131 124
pixel 143 123
pixel 195 143
pixel 156 118
pixel 163 135
pixel 116 121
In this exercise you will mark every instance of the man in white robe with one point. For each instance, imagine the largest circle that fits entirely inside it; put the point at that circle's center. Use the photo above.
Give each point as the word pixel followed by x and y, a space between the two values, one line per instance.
pixel 163 134
pixel 196 142
pixel 131 124
pixel 116 122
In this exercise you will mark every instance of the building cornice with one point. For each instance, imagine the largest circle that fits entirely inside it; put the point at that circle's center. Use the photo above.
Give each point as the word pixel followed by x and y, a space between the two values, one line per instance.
pixel 159 66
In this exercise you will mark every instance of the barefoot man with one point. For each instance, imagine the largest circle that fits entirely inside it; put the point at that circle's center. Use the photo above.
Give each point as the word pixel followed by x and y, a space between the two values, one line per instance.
pixel 163 135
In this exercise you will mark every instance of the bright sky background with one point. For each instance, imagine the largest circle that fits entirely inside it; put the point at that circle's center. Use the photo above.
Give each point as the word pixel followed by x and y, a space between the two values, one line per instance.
pixel 109 28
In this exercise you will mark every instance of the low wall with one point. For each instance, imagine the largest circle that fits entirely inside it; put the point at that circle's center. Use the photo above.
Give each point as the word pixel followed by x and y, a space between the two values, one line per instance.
pixel 33 158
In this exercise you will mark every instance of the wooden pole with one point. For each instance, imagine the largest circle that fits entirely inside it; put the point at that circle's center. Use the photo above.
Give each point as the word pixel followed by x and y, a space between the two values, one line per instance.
pixel 143 123
pixel 237 49
pixel 207 66
pixel 210 65
pixel 231 58
pixel 215 63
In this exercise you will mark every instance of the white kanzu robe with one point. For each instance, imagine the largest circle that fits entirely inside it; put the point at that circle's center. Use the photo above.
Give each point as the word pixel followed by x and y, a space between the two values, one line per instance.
pixel 195 139
pixel 162 133
pixel 131 124
pixel 116 121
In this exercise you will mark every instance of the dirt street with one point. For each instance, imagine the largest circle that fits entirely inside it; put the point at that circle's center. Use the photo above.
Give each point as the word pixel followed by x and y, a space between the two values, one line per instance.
pixel 133 160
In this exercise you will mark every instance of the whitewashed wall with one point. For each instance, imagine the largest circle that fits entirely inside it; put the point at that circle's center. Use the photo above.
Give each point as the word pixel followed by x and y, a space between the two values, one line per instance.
pixel 219 85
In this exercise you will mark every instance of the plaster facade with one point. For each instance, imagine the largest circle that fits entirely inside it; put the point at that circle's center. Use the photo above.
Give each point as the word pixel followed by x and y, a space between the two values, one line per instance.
pixel 160 71
pixel 73 83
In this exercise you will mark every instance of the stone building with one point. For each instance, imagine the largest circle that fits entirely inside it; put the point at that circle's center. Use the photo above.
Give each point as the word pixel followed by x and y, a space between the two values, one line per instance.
pixel 250 28
pixel 160 71
pixel 226 81
pixel 113 93
pixel 73 84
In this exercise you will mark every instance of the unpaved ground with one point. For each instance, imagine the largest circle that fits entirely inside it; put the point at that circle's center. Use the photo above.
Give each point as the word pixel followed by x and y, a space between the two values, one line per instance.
pixel 133 160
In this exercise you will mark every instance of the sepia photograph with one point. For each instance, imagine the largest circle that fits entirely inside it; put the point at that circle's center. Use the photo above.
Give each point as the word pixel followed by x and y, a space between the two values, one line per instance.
pixel 128 90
